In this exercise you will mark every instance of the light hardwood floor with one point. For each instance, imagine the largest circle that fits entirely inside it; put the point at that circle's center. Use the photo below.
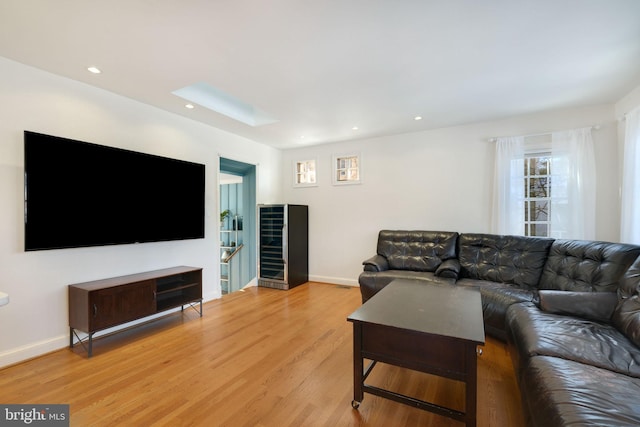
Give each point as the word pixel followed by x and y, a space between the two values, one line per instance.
pixel 259 357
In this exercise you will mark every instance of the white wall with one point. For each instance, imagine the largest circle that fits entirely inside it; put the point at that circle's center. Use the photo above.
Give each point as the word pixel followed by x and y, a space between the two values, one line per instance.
pixel 433 180
pixel 628 103
pixel 36 319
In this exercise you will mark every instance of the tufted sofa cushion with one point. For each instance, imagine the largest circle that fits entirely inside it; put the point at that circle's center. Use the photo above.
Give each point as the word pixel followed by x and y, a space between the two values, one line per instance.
pixel 496 298
pixel 416 250
pixel 630 283
pixel 534 332
pixel 507 259
pixel 559 392
pixel 626 318
pixel 587 266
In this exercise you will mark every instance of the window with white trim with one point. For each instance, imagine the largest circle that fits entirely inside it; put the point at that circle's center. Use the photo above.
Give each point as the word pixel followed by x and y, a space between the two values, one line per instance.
pixel 305 173
pixel 346 169
pixel 546 188
pixel 537 194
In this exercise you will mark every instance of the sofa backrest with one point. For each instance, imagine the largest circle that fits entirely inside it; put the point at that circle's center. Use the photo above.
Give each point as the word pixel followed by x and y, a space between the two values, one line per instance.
pixel 626 316
pixel 630 282
pixel 507 259
pixel 416 250
pixel 587 266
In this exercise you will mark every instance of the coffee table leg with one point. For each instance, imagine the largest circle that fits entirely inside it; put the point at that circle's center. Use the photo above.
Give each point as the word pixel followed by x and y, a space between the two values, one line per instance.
pixel 471 387
pixel 358 366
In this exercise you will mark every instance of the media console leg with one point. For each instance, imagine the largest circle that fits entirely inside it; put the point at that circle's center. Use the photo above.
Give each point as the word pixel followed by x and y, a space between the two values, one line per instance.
pixel 90 352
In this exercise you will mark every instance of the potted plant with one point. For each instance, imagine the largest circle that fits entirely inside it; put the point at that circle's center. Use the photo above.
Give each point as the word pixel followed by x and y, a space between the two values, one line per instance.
pixel 223 215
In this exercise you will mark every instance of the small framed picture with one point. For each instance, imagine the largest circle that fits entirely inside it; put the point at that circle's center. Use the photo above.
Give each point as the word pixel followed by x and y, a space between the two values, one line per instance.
pixel 305 173
pixel 347 169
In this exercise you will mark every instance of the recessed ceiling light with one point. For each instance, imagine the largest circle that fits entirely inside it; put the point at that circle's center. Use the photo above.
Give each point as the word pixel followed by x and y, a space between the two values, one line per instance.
pixel 417 118
pixel 94 70
pixel 189 106
pixel 355 128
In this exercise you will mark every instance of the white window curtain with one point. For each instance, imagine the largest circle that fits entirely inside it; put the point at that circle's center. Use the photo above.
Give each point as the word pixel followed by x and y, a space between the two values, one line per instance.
pixel 573 185
pixel 630 215
pixel 508 189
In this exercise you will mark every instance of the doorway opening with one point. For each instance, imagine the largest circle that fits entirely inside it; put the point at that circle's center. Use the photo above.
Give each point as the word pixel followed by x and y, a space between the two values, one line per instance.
pixel 237 225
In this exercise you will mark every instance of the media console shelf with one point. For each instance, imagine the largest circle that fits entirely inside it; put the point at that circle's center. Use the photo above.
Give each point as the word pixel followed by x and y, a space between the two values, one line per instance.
pixel 102 304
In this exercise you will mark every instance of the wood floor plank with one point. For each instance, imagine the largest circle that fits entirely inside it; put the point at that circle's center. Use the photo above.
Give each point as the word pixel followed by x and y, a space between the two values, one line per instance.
pixel 261 357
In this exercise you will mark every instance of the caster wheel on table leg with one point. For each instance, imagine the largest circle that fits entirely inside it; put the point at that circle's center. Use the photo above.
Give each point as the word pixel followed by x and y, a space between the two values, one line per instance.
pixel 355 404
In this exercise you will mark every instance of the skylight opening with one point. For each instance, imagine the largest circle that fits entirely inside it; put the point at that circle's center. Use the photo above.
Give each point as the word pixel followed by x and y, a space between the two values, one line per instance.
pixel 222 103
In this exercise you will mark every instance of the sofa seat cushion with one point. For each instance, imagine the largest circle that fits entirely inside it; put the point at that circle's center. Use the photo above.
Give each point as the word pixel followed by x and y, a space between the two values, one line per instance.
pixel 372 282
pixel 496 299
pixel 535 332
pixel 558 392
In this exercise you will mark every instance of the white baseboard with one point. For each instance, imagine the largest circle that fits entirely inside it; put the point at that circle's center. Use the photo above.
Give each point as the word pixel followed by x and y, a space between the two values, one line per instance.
pixel 252 283
pixel 21 354
pixel 334 280
pixel 24 353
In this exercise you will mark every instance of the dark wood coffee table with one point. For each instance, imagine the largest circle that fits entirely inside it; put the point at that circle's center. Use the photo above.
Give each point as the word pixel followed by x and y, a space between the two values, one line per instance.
pixel 429 328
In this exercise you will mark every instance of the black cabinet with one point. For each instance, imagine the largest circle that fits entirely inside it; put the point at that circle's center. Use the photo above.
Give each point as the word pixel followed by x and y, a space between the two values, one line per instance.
pixel 283 260
pixel 111 306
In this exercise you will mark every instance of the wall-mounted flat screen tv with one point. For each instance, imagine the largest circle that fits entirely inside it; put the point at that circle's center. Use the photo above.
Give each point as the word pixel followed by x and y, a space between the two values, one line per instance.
pixel 81 194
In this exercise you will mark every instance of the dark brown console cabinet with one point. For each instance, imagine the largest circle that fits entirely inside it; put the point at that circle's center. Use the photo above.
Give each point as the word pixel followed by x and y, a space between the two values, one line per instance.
pixel 101 304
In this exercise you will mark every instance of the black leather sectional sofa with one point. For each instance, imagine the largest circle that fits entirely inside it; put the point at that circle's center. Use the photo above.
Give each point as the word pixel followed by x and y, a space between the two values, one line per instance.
pixel 569 310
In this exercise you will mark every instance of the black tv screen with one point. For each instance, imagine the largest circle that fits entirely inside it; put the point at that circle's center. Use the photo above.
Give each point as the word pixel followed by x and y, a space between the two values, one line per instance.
pixel 80 194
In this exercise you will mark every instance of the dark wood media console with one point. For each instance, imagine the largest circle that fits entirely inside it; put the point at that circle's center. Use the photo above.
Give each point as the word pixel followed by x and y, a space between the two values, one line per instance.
pixel 102 304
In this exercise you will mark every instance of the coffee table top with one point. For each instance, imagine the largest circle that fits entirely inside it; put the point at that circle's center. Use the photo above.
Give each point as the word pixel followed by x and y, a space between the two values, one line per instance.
pixel 445 310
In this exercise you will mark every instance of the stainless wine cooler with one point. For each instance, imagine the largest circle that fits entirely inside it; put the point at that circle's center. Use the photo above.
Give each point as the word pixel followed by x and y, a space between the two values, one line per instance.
pixel 283 260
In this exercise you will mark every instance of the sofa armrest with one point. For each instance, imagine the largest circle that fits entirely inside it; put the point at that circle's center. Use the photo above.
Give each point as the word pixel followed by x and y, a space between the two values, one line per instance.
pixel 449 268
pixel 598 306
pixel 376 263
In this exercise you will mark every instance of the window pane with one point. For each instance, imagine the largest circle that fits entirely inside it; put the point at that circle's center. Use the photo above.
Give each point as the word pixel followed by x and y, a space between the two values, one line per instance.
pixel 539 211
pixel 539 166
pixel 539 230
pixel 533 161
pixel 538 187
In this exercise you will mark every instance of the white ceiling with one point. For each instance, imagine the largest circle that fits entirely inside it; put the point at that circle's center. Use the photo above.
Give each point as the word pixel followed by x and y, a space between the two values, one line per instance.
pixel 321 67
